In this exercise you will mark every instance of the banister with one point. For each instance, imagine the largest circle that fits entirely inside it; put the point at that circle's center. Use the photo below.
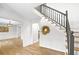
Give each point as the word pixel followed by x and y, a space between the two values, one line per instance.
pixel 53 9
pixel 60 18
pixel 70 37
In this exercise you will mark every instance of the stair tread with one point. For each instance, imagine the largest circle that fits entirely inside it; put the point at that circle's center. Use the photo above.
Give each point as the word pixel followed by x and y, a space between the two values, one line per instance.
pixel 75 30
pixel 77 36
pixel 75 41
pixel 75 48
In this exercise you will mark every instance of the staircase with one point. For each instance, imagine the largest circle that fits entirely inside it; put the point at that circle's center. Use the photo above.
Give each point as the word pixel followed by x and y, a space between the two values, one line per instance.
pixel 61 21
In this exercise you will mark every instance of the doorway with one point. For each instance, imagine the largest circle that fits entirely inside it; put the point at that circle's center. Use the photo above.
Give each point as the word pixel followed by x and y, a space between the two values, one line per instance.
pixel 35 32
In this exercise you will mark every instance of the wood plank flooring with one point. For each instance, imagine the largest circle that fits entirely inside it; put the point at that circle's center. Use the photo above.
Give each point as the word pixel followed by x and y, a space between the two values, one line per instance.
pixel 13 46
pixel 33 49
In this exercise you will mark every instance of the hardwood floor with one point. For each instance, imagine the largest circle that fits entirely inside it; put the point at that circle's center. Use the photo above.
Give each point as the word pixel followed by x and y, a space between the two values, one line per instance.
pixel 13 46
pixel 33 49
pixel 36 50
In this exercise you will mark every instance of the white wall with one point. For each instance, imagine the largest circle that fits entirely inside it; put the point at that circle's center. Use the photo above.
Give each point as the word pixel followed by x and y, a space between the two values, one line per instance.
pixel 26 34
pixel 23 13
pixel 54 40
pixel 13 33
pixel 29 33
pixel 73 12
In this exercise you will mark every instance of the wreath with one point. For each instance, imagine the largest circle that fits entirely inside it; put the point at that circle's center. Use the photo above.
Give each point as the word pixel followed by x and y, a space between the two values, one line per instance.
pixel 45 30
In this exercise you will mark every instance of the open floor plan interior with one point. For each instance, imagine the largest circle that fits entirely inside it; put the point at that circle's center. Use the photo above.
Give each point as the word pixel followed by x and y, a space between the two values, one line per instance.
pixel 39 29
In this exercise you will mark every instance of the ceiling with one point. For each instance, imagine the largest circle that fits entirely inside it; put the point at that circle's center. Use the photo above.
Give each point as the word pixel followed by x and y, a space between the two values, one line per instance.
pixel 23 12
pixel 6 21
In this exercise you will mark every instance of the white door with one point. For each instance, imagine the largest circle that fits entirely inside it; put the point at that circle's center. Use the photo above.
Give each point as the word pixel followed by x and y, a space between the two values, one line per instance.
pixel 35 29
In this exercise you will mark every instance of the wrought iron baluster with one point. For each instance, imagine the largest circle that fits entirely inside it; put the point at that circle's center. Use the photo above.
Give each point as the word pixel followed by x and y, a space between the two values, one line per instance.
pixel 44 11
pixel 47 12
pixel 55 15
pixel 64 21
pixel 51 14
pixel 57 18
pixel 61 20
pixel 40 8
